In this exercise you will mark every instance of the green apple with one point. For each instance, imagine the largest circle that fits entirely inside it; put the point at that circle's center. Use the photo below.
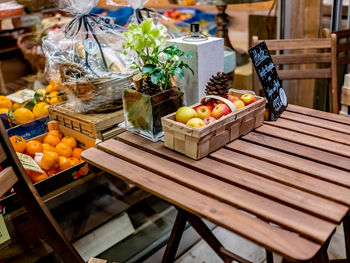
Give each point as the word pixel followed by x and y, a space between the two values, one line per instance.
pixel 184 114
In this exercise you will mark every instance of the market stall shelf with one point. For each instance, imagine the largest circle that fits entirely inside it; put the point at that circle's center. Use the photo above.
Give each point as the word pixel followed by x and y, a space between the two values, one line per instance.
pixel 286 177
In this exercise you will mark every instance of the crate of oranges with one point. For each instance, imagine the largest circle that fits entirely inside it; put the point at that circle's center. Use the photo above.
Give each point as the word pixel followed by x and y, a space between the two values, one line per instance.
pixel 29 109
pixel 54 153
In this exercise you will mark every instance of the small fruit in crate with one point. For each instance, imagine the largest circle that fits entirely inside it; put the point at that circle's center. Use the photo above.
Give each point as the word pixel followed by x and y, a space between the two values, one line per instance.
pixel 76 153
pixel 41 110
pixel 47 148
pixel 238 104
pixel 22 115
pixel 211 104
pixel 64 163
pixel 50 161
pixel 74 161
pixel 18 143
pixel 203 111
pixel 70 141
pixel 209 119
pixel 5 102
pixel 4 110
pixel 184 114
pixel 218 85
pixel 196 123
pixel 220 110
pixel 64 149
pixel 232 98
pixel 248 99
pixel 52 140
pixel 36 176
pixel 34 147
pixel 56 133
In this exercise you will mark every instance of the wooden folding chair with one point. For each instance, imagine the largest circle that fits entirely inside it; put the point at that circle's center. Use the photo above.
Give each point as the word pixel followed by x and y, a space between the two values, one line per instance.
pixel 326 55
pixel 14 175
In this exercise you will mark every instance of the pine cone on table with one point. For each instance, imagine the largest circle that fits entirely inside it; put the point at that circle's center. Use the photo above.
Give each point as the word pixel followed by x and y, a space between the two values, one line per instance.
pixel 217 85
pixel 149 88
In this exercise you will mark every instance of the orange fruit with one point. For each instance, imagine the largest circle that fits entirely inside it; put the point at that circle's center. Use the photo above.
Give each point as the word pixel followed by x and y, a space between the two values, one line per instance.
pixel 63 149
pixel 64 163
pixel 70 141
pixel 74 161
pixel 41 110
pixel 5 102
pixel 47 148
pixel 50 161
pixel 52 172
pixel 77 153
pixel 37 177
pixel 23 115
pixel 51 87
pixel 4 110
pixel 34 147
pixel 56 133
pixel 42 91
pixel 52 140
pixel 18 143
pixel 16 106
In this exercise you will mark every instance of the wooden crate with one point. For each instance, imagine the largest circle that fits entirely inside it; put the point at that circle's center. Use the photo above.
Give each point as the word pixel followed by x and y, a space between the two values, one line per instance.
pixel 198 143
pixel 345 95
pixel 101 126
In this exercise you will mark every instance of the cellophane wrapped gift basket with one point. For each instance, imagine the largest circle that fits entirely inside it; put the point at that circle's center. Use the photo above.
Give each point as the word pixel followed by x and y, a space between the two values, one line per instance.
pixel 87 58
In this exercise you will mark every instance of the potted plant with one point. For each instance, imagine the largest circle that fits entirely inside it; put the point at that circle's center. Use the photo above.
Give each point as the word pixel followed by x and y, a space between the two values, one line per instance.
pixel 154 94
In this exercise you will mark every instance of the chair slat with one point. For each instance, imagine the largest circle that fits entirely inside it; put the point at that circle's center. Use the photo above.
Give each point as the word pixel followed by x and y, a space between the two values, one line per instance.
pixel 7 179
pixel 295 44
pixel 2 154
pixel 324 73
pixel 342 33
pixel 307 58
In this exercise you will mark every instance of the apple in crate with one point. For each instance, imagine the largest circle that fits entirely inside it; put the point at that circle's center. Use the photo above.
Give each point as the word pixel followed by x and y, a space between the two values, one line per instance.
pixel 209 120
pixel 184 114
pixel 232 98
pixel 248 99
pixel 220 110
pixel 203 111
pixel 196 123
pixel 239 104
pixel 211 104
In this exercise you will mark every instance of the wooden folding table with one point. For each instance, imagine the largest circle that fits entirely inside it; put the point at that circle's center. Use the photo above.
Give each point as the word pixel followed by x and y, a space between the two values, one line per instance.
pixel 284 186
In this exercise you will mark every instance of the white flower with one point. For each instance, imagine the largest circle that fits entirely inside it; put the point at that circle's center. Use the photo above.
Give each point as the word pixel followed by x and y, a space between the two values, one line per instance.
pixel 176 58
pixel 163 57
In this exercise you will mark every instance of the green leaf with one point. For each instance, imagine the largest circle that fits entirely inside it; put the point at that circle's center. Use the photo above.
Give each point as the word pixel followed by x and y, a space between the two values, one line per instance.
pixel 180 72
pixel 148 69
pixel 30 104
pixel 188 54
pixel 155 77
pixel 188 67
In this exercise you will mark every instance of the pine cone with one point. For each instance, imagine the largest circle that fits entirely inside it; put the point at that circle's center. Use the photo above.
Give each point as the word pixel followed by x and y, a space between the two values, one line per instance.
pixel 217 85
pixel 149 88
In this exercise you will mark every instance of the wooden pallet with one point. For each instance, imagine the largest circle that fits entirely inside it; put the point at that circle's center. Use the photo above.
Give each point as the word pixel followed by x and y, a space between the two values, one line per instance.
pixel 101 126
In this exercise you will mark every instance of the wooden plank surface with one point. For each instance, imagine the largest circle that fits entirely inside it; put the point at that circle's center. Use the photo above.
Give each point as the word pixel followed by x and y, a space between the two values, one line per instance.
pixel 319 114
pixel 7 179
pixel 314 121
pixel 273 238
pixel 2 155
pixel 305 73
pixel 250 181
pixel 294 44
pixel 305 152
pixel 307 140
pixel 305 58
pixel 312 130
pixel 235 196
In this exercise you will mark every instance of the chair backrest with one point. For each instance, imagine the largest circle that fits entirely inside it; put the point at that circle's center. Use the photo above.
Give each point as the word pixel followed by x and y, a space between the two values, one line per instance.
pixel 314 51
pixel 14 175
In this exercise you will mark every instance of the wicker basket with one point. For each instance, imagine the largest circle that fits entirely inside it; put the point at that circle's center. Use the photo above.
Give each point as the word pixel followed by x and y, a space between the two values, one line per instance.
pixel 30 50
pixel 198 143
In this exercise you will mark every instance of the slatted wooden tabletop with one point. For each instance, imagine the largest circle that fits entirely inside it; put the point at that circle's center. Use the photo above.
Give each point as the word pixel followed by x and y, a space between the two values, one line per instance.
pixel 284 186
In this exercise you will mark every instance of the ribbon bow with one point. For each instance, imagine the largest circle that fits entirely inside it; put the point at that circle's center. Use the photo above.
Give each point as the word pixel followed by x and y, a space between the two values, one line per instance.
pixel 88 21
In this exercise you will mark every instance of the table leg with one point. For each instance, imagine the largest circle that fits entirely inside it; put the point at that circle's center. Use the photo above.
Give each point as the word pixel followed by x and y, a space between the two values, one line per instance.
pixel 322 256
pixel 346 226
pixel 203 230
pixel 269 256
pixel 175 236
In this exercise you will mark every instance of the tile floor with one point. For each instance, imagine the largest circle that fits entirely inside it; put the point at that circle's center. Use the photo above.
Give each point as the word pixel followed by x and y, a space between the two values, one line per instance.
pixel 202 253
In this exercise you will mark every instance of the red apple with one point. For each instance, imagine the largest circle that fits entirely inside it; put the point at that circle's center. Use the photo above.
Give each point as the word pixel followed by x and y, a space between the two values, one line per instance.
pixel 239 104
pixel 211 104
pixel 220 110
pixel 209 120
pixel 184 114
pixel 232 98
pixel 248 99
pixel 203 111
pixel 196 123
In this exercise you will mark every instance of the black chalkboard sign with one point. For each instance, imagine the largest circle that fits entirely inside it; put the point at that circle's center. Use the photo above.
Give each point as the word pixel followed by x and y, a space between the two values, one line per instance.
pixel 269 79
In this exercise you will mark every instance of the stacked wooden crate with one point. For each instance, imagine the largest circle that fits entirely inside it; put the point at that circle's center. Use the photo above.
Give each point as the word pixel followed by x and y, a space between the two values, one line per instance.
pixel 345 97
